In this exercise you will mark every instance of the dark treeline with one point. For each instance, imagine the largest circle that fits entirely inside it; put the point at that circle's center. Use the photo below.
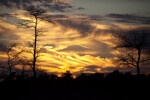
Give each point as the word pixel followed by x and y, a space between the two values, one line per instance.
pixel 42 75
pixel 98 86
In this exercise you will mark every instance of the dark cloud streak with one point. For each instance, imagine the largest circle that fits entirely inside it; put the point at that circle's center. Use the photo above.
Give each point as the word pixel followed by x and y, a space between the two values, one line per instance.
pixel 129 18
pixel 51 5
pixel 84 28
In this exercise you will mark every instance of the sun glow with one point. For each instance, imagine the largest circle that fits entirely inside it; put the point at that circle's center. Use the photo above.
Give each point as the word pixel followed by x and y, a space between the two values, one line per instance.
pixel 66 48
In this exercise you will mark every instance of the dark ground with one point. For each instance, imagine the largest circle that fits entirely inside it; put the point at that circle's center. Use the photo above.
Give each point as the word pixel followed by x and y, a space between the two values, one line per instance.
pixel 81 88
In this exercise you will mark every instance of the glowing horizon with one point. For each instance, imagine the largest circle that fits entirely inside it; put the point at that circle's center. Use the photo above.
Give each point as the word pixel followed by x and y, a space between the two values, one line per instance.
pixel 77 41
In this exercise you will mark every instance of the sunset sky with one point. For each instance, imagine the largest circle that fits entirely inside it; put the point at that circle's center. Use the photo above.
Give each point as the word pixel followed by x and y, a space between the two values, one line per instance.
pixel 80 38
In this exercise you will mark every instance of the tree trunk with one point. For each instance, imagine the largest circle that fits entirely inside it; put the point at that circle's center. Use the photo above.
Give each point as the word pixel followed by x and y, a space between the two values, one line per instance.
pixel 35 43
pixel 10 72
pixel 9 65
pixel 23 71
pixel 138 62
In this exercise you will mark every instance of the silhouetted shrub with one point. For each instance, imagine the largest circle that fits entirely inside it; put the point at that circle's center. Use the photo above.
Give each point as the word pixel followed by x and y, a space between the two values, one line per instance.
pixel 128 76
pixel 82 76
pixel 67 75
pixel 115 75
pixel 96 76
pixel 53 77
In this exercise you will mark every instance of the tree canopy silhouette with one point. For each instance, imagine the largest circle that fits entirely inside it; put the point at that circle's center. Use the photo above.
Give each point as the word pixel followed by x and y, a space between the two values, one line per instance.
pixel 136 42
pixel 38 14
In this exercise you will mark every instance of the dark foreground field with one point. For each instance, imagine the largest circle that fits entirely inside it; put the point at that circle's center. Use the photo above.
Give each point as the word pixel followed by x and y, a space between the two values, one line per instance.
pixel 114 88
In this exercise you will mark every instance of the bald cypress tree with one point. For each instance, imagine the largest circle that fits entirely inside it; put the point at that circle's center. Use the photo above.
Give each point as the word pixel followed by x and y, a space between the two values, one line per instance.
pixel 136 43
pixel 37 14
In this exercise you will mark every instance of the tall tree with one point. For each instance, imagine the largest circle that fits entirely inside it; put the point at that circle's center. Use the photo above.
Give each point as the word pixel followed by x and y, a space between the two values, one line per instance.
pixel 37 14
pixel 136 43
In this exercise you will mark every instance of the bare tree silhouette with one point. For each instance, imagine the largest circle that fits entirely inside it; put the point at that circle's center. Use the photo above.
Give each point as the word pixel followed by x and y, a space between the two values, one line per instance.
pixel 13 58
pixel 35 13
pixel 24 62
pixel 38 14
pixel 136 42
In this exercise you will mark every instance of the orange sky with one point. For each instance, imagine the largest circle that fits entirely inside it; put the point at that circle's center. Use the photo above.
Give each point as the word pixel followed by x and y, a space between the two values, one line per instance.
pixel 55 37
pixel 76 42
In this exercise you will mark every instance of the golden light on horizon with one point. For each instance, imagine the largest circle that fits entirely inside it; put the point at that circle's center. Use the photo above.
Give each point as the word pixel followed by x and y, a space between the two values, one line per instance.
pixel 66 47
pixel 60 61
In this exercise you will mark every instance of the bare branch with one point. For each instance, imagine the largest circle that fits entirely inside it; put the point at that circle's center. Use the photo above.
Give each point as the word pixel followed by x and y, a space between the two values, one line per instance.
pixel 134 40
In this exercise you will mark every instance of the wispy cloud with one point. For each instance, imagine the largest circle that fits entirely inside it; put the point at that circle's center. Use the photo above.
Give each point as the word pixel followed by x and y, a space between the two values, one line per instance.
pixel 75 42
pixel 51 5
pixel 130 18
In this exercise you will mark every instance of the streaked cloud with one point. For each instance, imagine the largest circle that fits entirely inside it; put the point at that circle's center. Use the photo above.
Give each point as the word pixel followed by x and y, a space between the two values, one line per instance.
pixel 76 42
pixel 51 5
pixel 130 18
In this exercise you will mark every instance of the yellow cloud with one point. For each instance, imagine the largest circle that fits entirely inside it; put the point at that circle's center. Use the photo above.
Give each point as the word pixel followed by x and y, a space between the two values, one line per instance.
pixel 55 60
